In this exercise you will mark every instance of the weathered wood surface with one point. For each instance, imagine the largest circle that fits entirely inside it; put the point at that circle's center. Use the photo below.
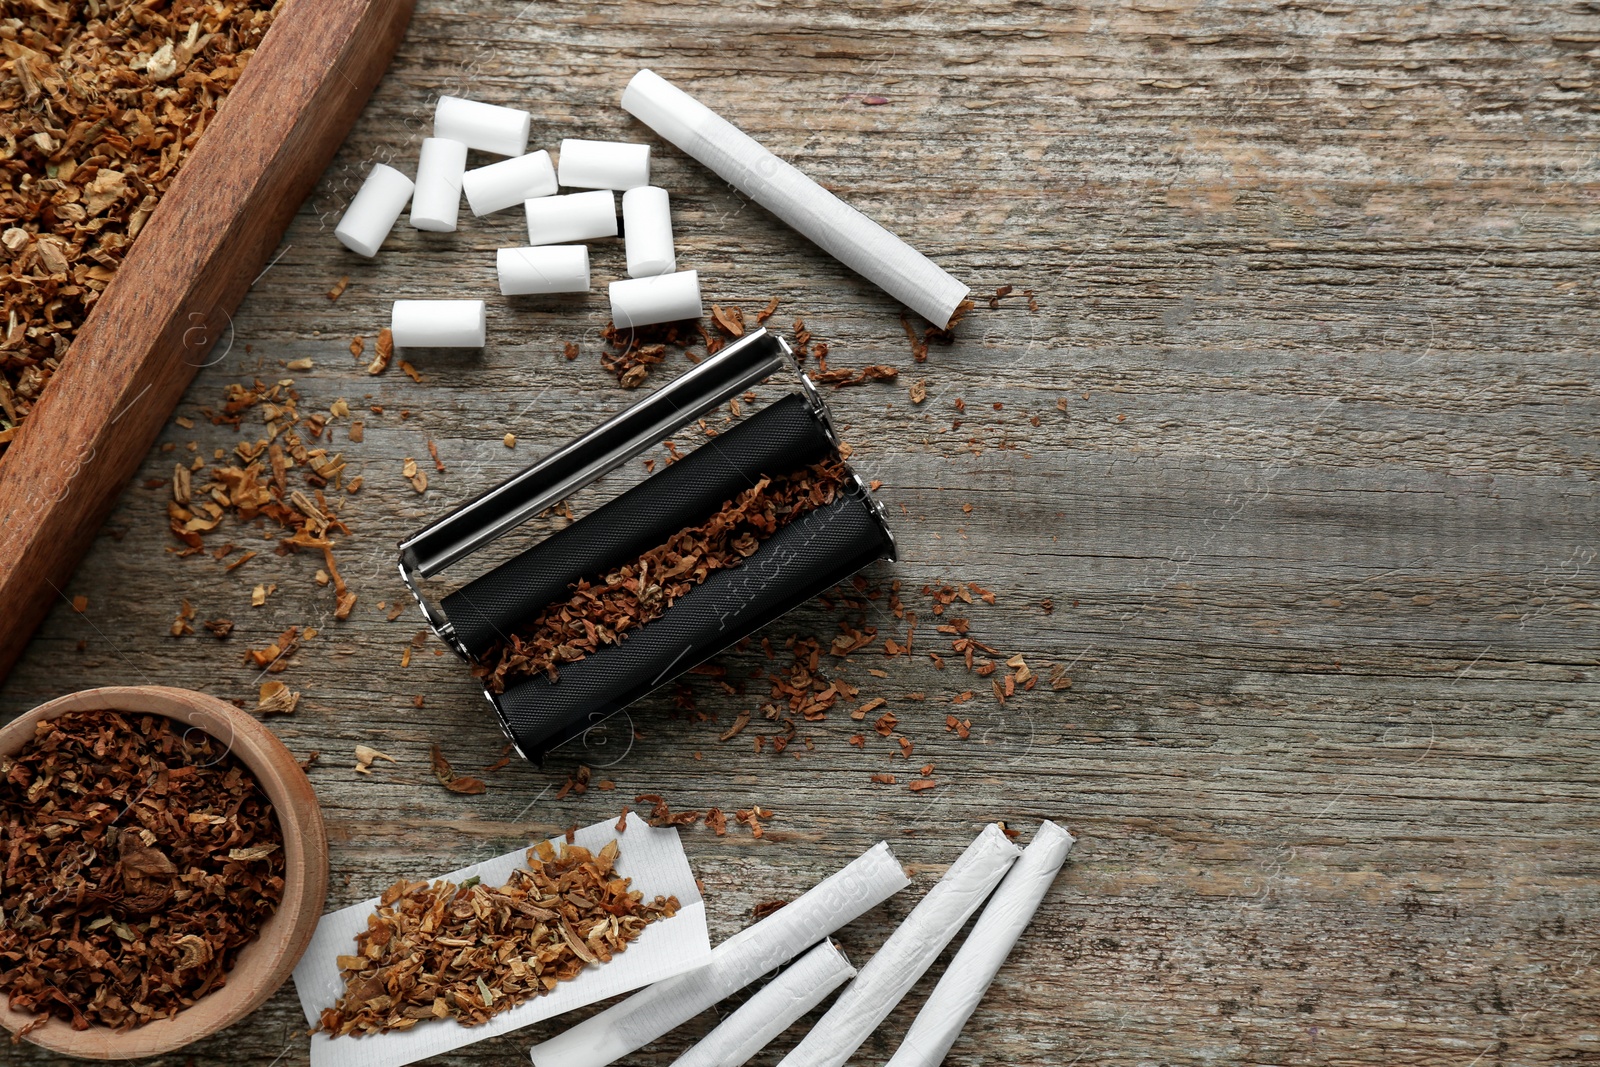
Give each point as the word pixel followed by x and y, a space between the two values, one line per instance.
pixel 1317 285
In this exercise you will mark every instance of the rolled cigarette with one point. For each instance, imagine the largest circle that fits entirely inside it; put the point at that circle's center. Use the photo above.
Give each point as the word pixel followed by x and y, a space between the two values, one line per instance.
pixel 438 323
pixel 909 951
pixel 631 1024
pixel 545 269
pixel 509 182
pixel 436 203
pixel 374 211
pixel 665 298
pixel 802 986
pixel 836 227
pixel 962 985
pixel 604 164
pixel 558 220
pixel 486 127
pixel 647 232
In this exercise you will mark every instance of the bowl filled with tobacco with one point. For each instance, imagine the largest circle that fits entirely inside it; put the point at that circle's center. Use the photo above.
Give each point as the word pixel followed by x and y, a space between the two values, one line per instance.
pixel 163 864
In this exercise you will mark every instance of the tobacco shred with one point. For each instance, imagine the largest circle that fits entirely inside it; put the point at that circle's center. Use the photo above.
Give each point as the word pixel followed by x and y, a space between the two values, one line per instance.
pixel 633 351
pixel 601 610
pixel 100 103
pixel 468 952
pixel 139 859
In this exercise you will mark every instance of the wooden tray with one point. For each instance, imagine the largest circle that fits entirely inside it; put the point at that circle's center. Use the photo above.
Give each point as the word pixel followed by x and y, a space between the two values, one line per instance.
pixel 172 297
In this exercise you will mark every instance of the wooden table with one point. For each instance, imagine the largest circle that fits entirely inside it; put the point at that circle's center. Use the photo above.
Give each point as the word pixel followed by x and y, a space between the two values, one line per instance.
pixel 1300 445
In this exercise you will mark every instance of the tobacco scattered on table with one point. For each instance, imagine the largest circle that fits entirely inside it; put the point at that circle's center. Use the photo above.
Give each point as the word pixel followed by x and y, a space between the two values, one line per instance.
pixel 138 859
pixel 601 610
pixel 468 952
pixel 100 103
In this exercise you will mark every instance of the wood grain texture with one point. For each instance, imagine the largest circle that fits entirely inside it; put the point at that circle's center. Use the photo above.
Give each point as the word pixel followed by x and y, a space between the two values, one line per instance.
pixel 1316 283
pixel 156 322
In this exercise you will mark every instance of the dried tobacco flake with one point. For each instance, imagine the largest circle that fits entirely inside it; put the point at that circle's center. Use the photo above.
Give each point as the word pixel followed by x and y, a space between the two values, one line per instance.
pixel 468 952
pixel 601 610
pixel 100 103
pixel 140 858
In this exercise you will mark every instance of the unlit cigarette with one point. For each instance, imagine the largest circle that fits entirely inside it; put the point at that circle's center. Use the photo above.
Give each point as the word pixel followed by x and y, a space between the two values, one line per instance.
pixel 545 269
pixel 665 298
pixel 373 212
pixel 559 220
pixel 963 984
pixel 436 203
pixel 486 127
pixel 633 1023
pixel 509 182
pixel 839 229
pixel 647 232
pixel 802 986
pixel 604 164
pixel 439 323
pixel 910 950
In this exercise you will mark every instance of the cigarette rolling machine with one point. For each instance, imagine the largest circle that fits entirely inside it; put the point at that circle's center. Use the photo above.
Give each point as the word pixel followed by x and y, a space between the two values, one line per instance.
pixel 802 559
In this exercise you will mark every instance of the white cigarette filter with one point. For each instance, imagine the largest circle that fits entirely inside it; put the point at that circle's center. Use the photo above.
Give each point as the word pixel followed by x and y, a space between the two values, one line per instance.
pixel 509 182
pixel 604 164
pixel 439 323
pixel 665 298
pixel 962 985
pixel 486 127
pixel 910 950
pixel 631 1024
pixel 544 269
pixel 802 986
pixel 374 211
pixel 839 229
pixel 558 220
pixel 436 203
pixel 647 232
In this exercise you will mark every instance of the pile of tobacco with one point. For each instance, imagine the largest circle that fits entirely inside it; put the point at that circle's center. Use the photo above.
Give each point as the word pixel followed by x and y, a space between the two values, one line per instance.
pixel 99 104
pixel 471 951
pixel 137 860
pixel 599 612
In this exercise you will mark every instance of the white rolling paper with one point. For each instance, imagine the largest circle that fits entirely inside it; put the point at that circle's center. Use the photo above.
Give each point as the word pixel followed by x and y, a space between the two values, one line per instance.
pixel 836 227
pixel 374 211
pixel 439 323
pixel 436 202
pixel 559 220
pixel 963 984
pixel 543 269
pixel 664 298
pixel 910 950
pixel 866 882
pixel 802 986
pixel 486 127
pixel 509 182
pixel 647 232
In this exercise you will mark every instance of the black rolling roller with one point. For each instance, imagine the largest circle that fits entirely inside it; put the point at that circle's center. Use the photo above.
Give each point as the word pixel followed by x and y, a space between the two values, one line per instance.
pixel 776 440
pixel 803 559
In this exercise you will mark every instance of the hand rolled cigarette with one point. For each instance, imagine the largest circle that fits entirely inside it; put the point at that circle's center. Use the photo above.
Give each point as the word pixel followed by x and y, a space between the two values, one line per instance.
pixel 631 1024
pixel 604 164
pixel 509 182
pixel 374 211
pixel 802 986
pixel 486 127
pixel 438 323
pixel 559 220
pixel 908 952
pixel 436 203
pixel 839 229
pixel 963 984
pixel 647 232
pixel 665 298
pixel 544 269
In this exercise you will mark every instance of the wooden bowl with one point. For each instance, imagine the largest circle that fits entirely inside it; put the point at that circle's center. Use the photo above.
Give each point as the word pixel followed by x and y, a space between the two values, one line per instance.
pixel 261 966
